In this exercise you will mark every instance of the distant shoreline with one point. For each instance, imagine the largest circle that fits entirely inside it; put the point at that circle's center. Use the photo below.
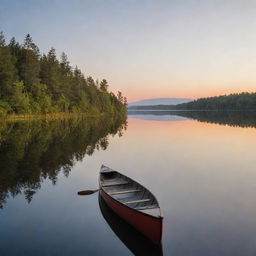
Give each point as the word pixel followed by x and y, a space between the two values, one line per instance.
pixel 232 102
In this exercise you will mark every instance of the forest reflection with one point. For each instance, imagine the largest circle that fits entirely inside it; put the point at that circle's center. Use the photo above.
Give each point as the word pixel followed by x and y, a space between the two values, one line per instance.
pixel 32 151
pixel 231 118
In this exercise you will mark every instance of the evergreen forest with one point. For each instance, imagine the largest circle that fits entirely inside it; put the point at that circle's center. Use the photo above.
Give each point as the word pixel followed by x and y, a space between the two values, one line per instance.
pixel 36 83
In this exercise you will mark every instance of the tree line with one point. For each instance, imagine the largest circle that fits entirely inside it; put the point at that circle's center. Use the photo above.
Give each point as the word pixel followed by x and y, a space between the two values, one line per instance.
pixel 235 101
pixel 35 83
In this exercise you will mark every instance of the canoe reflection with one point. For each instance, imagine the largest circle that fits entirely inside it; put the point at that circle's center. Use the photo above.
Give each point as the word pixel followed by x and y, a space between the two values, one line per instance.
pixel 136 242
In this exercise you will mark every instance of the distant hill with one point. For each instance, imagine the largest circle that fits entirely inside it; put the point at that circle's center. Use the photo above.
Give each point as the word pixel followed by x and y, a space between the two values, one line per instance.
pixel 159 101
pixel 236 101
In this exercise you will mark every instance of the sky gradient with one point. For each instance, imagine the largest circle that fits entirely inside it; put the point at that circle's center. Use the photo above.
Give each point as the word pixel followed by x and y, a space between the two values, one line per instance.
pixel 146 49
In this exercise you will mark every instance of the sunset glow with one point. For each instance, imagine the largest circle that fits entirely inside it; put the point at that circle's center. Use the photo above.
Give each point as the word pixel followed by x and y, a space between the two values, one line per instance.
pixel 147 49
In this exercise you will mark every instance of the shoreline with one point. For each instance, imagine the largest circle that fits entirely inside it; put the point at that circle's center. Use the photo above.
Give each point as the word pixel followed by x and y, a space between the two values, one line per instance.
pixel 52 116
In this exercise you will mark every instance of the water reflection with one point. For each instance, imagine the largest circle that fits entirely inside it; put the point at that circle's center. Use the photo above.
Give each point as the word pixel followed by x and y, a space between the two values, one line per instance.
pixel 156 116
pixel 32 151
pixel 231 118
pixel 134 240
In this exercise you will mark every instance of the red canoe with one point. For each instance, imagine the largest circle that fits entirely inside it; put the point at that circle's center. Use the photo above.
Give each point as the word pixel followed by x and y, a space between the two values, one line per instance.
pixel 131 201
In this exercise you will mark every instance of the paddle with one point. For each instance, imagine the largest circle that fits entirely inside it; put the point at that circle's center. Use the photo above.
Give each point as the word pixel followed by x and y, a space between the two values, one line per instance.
pixel 87 192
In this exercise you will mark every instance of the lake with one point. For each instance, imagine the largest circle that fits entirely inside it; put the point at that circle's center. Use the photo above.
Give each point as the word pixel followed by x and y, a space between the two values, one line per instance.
pixel 200 166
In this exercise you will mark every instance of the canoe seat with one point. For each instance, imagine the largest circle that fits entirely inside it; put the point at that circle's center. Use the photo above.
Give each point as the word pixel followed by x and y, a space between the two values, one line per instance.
pixel 137 201
pixel 124 192
pixel 114 183
pixel 147 207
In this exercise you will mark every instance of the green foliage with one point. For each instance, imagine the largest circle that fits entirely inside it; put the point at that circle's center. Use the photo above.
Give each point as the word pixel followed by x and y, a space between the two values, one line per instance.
pixel 2 39
pixel 238 101
pixel 8 73
pixel 19 100
pixel 4 108
pixel 31 83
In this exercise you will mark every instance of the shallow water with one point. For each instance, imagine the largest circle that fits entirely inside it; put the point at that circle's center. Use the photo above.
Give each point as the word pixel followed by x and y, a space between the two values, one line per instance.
pixel 200 168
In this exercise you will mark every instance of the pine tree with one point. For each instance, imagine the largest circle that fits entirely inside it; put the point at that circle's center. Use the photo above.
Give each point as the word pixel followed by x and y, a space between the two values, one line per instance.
pixel 90 81
pixel 50 73
pixel 2 39
pixel 104 85
pixel 14 47
pixel 120 97
pixel 8 73
pixel 30 67
pixel 64 63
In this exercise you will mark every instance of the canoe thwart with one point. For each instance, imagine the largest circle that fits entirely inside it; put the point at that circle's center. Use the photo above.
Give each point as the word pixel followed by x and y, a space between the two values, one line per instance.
pixel 114 184
pixel 147 207
pixel 124 192
pixel 137 201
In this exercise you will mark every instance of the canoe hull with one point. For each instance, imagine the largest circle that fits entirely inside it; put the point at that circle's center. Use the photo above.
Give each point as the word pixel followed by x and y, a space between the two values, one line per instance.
pixel 150 226
pixel 134 240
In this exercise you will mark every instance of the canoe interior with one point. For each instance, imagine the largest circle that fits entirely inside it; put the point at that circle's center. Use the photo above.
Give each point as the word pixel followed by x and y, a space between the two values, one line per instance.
pixel 129 193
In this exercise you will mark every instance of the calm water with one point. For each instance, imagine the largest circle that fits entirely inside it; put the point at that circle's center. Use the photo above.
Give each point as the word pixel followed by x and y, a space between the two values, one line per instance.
pixel 200 166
